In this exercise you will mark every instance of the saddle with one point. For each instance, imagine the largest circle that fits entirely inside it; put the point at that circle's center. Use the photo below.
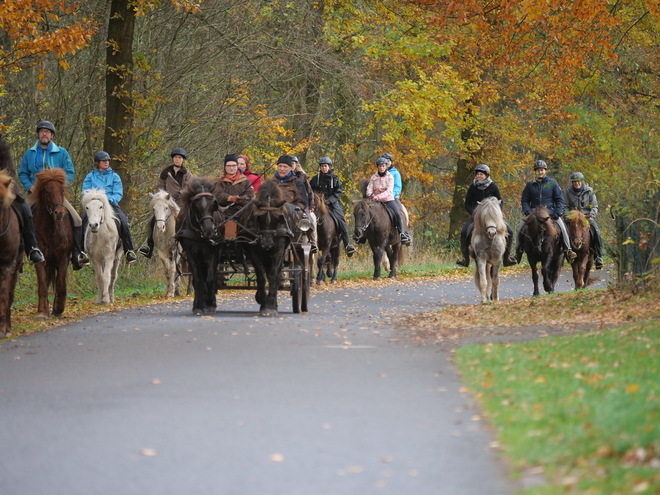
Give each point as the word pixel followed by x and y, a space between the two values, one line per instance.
pixel 391 214
pixel 19 214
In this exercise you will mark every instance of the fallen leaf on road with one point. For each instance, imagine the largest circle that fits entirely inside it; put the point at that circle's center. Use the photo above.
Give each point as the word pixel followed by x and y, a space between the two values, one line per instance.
pixel 148 452
pixel 276 457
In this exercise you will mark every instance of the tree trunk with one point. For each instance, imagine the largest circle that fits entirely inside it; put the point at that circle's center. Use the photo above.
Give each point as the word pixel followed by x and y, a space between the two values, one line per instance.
pixel 457 215
pixel 119 90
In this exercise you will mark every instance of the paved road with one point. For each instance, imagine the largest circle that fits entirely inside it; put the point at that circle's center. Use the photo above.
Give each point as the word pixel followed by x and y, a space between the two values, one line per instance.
pixel 338 401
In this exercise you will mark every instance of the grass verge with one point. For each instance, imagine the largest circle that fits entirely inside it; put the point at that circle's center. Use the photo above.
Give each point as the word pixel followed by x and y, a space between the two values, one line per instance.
pixel 583 409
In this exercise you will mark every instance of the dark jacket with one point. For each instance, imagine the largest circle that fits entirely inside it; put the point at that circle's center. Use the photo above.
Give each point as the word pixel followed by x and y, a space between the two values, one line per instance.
pixel 174 183
pixel 583 200
pixel 304 178
pixel 294 191
pixel 474 195
pixel 7 163
pixel 224 187
pixel 546 193
pixel 328 185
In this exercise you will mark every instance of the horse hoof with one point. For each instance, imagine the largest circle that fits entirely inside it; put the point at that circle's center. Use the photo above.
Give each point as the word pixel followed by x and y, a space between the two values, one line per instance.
pixel 41 316
pixel 376 278
pixel 209 311
pixel 197 312
pixel 334 281
pixel 268 312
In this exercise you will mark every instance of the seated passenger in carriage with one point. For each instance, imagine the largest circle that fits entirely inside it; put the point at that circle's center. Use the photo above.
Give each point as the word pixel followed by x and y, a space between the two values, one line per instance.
pixel 244 168
pixel 381 188
pixel 579 196
pixel 232 189
pixel 482 187
pixel 300 173
pixel 544 191
pixel 327 183
pixel 173 179
pixel 103 177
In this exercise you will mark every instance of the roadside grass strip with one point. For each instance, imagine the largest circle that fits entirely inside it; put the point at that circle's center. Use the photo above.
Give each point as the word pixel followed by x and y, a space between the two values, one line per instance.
pixel 583 409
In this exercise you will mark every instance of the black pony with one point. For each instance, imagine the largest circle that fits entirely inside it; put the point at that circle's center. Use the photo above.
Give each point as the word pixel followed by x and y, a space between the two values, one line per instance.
pixel 328 239
pixel 267 222
pixel 197 232
pixel 542 243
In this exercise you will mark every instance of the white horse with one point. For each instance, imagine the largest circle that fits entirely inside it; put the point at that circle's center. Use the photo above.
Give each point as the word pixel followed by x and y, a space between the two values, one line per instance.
pixel 102 243
pixel 487 247
pixel 165 211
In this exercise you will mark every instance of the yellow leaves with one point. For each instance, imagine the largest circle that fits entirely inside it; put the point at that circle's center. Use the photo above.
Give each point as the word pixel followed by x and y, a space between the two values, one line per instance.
pixel 540 379
pixel 631 389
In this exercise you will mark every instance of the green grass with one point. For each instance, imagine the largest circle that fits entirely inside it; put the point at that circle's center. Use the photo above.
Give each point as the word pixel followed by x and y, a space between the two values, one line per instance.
pixel 581 406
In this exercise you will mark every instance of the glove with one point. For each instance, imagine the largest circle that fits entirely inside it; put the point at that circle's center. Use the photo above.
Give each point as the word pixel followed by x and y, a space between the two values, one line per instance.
pixel 176 196
pixel 526 213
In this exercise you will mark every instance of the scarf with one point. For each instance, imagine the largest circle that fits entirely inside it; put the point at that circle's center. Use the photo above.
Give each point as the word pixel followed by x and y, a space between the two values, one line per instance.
pixel 481 185
pixel 236 176
pixel 382 175
pixel 580 189
pixel 41 157
pixel 285 178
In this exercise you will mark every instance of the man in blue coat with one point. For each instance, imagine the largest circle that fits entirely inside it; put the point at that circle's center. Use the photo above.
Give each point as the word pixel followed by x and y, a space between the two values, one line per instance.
pixel 544 191
pixel 103 177
pixel 43 155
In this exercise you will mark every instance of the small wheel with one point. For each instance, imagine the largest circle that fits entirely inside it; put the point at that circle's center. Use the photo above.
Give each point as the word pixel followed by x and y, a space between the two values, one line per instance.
pixel 306 283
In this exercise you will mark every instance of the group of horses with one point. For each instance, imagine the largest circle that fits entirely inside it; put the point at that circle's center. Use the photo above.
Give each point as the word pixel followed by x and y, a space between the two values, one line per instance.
pixel 542 244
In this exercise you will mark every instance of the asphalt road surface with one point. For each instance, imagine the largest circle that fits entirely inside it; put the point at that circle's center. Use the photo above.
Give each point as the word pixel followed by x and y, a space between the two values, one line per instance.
pixel 337 401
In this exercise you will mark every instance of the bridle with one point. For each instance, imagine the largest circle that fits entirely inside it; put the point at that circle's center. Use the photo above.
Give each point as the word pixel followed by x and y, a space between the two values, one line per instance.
pixel 368 207
pixel 199 221
pixel 102 221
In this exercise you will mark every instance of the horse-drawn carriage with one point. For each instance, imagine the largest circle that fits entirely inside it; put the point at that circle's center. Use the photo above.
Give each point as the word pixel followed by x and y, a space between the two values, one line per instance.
pixel 263 247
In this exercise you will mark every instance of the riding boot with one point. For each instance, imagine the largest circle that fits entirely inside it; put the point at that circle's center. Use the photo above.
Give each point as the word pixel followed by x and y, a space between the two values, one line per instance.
pixel 147 249
pixel 465 245
pixel 350 249
pixel 570 254
pixel 520 244
pixel 509 260
pixel 29 237
pixel 78 257
pixel 597 244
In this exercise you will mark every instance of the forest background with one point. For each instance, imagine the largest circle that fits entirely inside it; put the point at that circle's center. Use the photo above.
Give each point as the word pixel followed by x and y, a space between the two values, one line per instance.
pixel 442 85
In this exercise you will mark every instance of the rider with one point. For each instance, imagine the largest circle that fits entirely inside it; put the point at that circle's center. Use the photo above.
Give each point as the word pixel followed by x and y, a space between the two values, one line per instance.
pixel 328 184
pixel 46 154
pixel 380 188
pixel 173 179
pixel 232 189
pixel 293 189
pixel 302 175
pixel 103 177
pixel 20 206
pixel 244 168
pixel 481 188
pixel 579 196
pixel 398 184
pixel 544 191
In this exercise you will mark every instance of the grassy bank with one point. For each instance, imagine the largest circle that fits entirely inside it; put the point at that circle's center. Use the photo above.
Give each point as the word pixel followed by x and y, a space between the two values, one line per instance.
pixel 582 409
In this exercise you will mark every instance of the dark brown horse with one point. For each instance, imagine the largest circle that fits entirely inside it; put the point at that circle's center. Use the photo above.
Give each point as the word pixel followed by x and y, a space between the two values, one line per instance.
pixel 267 223
pixel 11 251
pixel 542 243
pixel 197 232
pixel 579 232
pixel 54 237
pixel 328 240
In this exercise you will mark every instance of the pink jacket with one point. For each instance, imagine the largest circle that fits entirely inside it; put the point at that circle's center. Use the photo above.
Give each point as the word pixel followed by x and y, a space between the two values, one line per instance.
pixel 381 188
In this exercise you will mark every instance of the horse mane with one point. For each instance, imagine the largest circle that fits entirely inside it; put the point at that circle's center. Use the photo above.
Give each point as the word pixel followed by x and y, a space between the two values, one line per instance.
pixel 540 218
pixel 194 187
pixel 320 204
pixel 7 193
pixel 161 195
pixel 269 194
pixel 576 217
pixel 362 187
pixel 99 194
pixel 47 176
pixel 488 212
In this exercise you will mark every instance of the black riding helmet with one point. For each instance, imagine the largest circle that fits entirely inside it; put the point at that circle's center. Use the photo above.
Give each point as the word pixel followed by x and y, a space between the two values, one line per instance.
pixel 100 156
pixel 180 152
pixel 325 160
pixel 45 124
pixel 381 161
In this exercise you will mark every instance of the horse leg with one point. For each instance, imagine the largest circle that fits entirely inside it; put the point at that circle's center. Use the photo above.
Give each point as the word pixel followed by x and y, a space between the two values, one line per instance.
pixel 535 275
pixel 42 281
pixel 335 253
pixel 259 271
pixel 378 256
pixel 210 303
pixel 320 264
pixel 169 276
pixel 272 269
pixel 113 279
pixel 393 255
pixel 480 278
pixel 495 282
pixel 59 301
pixel 199 286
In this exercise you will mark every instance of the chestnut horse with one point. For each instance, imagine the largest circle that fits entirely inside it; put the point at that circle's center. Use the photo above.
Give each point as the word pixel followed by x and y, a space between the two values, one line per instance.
pixel 579 232
pixel 542 243
pixel 11 251
pixel 54 237
pixel 328 241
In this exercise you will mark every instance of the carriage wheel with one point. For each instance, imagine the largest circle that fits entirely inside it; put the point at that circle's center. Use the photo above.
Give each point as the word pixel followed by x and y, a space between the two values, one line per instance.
pixel 296 290
pixel 306 281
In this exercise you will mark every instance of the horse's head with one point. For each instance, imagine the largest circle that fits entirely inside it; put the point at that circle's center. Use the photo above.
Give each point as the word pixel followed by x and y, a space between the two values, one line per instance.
pixel 578 229
pixel 98 209
pixel 488 217
pixel 7 194
pixel 163 208
pixel 363 217
pixel 202 208
pixel 320 204
pixel 50 191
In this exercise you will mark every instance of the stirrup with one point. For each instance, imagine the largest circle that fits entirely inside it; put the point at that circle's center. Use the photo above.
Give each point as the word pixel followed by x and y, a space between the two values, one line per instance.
pixel 130 257
pixel 145 250
pixel 36 256
pixel 350 250
pixel 509 261
pixel 570 255
pixel 598 263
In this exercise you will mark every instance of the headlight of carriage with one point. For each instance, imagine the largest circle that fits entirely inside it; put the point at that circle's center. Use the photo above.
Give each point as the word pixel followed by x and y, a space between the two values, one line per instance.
pixel 304 224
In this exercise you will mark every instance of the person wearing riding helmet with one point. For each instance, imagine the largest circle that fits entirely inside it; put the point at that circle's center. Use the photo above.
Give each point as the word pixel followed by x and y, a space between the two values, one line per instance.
pixel 21 208
pixel 327 183
pixel 103 177
pixel 482 187
pixel 46 154
pixel 580 196
pixel 244 167
pixel 398 184
pixel 232 189
pixel 381 188
pixel 173 180
pixel 304 178
pixel 544 191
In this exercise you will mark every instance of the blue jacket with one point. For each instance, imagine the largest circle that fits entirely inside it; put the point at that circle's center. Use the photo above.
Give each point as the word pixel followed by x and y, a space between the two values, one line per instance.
pixel 398 184
pixel 108 180
pixel 57 158
pixel 547 193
